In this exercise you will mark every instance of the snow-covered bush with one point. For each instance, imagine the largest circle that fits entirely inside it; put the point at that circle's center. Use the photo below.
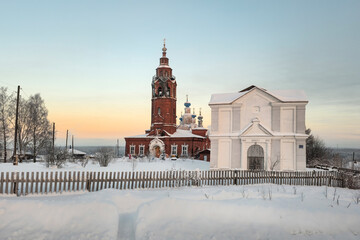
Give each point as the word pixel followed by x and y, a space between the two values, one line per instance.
pixel 58 158
pixel 104 156
pixel 351 180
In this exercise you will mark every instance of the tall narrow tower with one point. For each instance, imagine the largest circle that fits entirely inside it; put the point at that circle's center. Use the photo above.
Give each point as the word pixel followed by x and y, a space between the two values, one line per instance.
pixel 163 101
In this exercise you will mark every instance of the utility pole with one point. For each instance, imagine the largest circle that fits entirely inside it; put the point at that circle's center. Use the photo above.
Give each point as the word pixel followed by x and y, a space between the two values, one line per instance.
pixel 117 148
pixel 72 149
pixel 67 136
pixel 19 139
pixel 53 141
pixel 354 162
pixel 16 126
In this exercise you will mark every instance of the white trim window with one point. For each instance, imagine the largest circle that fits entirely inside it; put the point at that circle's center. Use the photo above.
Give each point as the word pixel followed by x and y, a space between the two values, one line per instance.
pixel 132 149
pixel 174 150
pixel 141 150
pixel 184 150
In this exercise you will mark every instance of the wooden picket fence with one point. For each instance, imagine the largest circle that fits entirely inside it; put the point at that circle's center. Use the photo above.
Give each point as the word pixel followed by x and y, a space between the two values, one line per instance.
pixel 23 183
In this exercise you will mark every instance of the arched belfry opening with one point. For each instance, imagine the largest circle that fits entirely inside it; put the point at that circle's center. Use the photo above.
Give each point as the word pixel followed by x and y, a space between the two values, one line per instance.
pixel 160 92
pixel 255 156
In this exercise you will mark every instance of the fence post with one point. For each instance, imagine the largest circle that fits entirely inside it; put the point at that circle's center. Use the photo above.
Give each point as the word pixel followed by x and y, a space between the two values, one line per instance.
pixel 16 181
pixel 88 181
pixel 235 172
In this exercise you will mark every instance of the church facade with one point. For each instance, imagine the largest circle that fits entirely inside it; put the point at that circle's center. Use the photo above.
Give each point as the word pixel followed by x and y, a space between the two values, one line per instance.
pixel 165 137
pixel 258 129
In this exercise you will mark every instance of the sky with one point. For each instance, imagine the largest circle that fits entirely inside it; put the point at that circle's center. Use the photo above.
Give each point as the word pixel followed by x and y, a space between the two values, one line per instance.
pixel 93 61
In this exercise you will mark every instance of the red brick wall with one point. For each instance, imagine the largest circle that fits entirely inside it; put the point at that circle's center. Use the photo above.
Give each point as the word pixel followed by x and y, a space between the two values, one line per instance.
pixel 194 145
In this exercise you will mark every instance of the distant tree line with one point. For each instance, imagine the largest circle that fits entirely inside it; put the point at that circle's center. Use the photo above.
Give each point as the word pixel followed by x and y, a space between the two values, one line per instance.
pixel 34 129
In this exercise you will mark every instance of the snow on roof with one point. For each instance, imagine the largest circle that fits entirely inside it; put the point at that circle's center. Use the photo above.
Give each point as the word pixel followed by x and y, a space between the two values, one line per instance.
pixel 164 66
pixel 282 95
pixel 289 95
pixel 138 136
pixel 223 98
pixel 180 133
pixel 183 134
pixel 76 152
pixel 200 128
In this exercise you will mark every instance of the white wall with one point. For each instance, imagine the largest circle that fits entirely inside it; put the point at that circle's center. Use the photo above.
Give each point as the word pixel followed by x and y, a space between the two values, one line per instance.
pixel 224 154
pixel 225 120
pixel 255 104
pixel 287 119
pixel 287 155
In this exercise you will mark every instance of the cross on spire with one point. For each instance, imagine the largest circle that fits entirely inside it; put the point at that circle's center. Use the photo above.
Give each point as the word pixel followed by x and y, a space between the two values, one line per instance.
pixel 164 49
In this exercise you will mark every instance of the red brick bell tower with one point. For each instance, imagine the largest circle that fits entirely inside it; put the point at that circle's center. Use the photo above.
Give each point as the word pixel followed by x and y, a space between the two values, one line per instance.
pixel 163 101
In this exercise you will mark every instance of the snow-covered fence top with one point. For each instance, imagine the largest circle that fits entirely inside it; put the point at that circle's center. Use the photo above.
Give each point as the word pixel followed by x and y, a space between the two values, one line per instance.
pixel 23 183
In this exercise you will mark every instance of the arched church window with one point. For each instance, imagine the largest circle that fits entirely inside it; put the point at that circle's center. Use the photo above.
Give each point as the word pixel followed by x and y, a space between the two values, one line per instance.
pixel 168 91
pixel 159 111
pixel 160 93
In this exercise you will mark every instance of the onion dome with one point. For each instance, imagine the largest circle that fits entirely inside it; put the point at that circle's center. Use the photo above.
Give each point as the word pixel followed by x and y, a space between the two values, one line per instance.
pixel 187 103
pixel 193 115
pixel 200 116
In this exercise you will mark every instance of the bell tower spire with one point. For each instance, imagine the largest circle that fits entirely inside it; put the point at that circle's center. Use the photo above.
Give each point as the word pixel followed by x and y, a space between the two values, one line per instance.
pixel 164 49
pixel 163 110
pixel 164 61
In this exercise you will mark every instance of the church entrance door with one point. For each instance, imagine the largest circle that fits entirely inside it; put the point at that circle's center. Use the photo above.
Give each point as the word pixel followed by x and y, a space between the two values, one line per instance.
pixel 157 151
pixel 255 156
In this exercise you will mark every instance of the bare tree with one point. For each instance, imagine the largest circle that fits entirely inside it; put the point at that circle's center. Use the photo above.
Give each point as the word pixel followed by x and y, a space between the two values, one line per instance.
pixel 38 123
pixel 24 128
pixel 104 156
pixel 6 115
pixel 56 156
pixel 274 163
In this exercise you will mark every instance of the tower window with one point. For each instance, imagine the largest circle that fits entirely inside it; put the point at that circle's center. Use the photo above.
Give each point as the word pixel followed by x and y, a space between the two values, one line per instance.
pixel 159 111
pixel 160 91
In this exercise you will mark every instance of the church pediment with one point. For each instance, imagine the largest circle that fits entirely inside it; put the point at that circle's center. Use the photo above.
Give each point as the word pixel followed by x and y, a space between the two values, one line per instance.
pixel 255 129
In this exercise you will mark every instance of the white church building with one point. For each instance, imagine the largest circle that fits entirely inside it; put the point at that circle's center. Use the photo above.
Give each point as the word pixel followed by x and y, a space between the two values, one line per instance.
pixel 258 129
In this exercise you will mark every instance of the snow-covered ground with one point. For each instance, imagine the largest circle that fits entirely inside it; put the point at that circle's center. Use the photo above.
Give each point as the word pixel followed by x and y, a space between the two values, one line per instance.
pixel 118 164
pixel 232 212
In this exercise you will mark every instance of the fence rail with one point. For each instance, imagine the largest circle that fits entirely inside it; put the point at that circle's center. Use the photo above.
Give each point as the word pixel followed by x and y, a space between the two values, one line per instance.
pixel 23 183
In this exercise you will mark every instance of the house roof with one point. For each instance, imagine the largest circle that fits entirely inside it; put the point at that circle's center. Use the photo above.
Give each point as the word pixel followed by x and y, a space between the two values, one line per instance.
pixel 183 134
pixel 178 134
pixel 282 95
pixel 76 152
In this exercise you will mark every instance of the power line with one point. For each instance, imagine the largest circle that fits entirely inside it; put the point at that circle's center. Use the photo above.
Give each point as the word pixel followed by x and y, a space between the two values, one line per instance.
pixel 8 85
pixel 27 95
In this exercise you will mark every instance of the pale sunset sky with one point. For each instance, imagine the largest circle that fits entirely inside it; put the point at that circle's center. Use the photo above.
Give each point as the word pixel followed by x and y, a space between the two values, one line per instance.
pixel 93 61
